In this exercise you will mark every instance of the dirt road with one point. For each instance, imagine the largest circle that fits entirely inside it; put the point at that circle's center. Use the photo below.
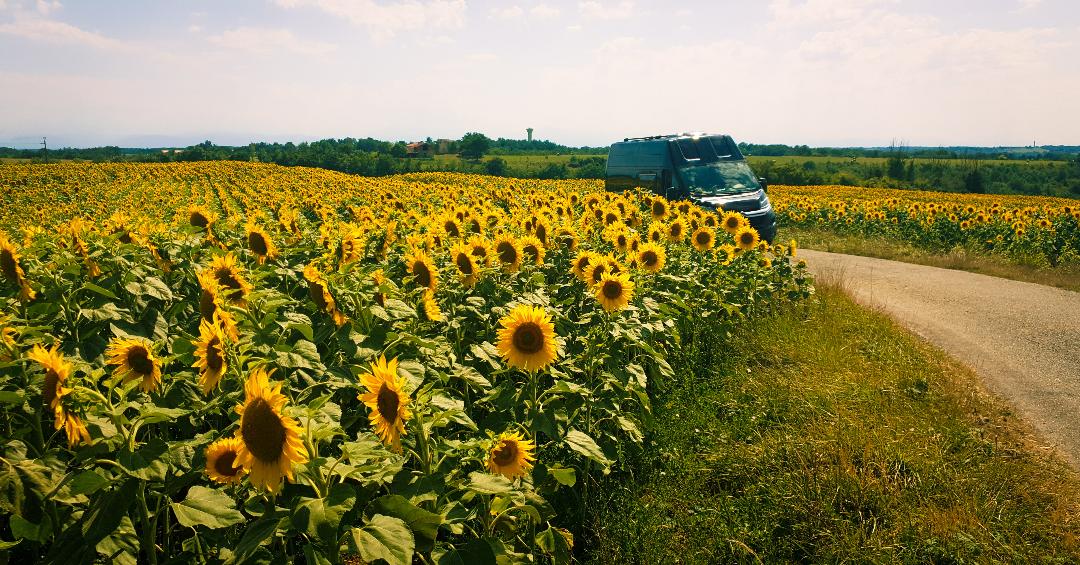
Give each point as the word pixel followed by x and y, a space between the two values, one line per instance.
pixel 1023 339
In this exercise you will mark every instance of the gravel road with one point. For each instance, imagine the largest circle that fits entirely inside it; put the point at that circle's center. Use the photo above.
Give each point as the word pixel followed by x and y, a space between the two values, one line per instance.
pixel 1023 339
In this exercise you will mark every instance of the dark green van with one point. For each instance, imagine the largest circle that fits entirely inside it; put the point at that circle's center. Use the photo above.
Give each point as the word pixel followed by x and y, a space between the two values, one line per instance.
pixel 706 169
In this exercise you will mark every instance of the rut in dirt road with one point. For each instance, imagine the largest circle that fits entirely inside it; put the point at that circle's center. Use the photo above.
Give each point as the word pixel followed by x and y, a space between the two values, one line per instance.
pixel 1023 339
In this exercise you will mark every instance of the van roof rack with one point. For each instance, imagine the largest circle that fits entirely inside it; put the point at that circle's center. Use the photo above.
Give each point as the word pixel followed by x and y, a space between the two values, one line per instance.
pixel 666 136
pixel 649 137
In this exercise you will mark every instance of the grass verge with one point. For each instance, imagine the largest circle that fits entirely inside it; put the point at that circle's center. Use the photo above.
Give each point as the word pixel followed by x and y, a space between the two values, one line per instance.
pixel 1067 277
pixel 827 433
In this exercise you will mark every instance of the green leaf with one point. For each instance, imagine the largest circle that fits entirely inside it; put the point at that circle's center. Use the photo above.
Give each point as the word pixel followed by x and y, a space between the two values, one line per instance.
pixel 86 482
pixel 486 483
pixel 424 524
pixel 8 544
pixel 156 414
pixel 207 507
pixel 25 529
pixel 585 445
pixel 302 355
pixel 557 543
pixel 472 377
pixel 107 312
pixel 99 290
pixel 11 490
pixel 152 287
pixel 11 397
pixel 254 535
pixel 147 463
pixel 476 552
pixel 398 310
pixel 386 538
pixel 631 428
pixel 122 546
pixel 105 513
pixel 320 517
pixel 563 475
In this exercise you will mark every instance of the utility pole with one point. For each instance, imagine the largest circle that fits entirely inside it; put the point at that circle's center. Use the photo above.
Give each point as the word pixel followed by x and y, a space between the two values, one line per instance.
pixel 45 144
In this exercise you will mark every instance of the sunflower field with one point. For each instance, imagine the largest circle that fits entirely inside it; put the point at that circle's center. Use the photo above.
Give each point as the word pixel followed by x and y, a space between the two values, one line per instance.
pixel 233 362
pixel 1042 230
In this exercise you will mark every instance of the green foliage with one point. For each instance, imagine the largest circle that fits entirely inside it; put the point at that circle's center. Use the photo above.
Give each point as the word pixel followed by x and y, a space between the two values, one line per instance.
pixel 827 434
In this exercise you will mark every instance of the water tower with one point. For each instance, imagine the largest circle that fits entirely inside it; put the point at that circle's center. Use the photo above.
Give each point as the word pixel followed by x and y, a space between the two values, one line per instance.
pixel 529 131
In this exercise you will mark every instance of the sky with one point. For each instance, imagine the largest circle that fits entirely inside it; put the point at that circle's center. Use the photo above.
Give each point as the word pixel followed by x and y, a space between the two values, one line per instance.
pixel 818 72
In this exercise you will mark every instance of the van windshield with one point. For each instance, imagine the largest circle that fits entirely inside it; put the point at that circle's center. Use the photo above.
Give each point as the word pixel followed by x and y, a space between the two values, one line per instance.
pixel 718 177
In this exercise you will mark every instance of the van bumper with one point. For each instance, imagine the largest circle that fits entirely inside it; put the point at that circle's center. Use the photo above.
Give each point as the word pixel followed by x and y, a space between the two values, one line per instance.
pixel 765 225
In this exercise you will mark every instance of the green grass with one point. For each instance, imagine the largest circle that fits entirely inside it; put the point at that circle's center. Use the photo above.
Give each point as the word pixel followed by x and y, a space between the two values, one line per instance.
pixel 526 164
pixel 1064 276
pixel 820 160
pixel 828 434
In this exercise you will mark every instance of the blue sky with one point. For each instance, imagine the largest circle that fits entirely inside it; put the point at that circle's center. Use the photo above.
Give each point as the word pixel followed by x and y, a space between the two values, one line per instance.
pixel 820 72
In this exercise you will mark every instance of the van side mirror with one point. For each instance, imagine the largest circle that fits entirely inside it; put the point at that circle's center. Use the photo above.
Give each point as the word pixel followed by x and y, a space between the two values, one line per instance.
pixel 764 183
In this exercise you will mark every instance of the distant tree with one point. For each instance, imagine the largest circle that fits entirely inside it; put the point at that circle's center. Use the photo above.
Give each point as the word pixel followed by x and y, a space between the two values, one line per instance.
pixel 894 166
pixel 398 149
pixel 473 145
pixel 973 180
pixel 496 166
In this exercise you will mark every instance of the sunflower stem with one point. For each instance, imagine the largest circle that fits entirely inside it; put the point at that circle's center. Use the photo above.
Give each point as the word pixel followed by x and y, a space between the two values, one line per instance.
pixel 146 540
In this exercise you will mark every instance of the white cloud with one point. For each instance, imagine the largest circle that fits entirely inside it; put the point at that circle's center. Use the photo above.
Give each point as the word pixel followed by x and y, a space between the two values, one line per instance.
pixel 384 21
pixel 46 7
pixel 612 11
pixel 513 12
pixel 265 40
pixel 1025 5
pixel 193 28
pixel 51 31
pixel 544 12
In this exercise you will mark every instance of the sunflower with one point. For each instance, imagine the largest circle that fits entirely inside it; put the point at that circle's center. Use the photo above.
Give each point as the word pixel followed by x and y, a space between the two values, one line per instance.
pixel 527 338
pixel 581 264
pixel 532 249
pixel 676 230
pixel 13 272
pixel 56 372
pixel 658 208
pixel 212 307
pixel 431 307
pixel 793 248
pixel 462 257
pixel 134 359
pixel 260 244
pixel 210 356
pixel 270 440
pixel 511 455
pixel 200 217
pixel 478 246
pixel 380 279
pixel 651 257
pixel 451 226
pixel 703 239
pixel 764 261
pixel 567 237
pixel 221 465
pixel 614 291
pixel 230 278
pixel 74 428
pixel 321 296
pixel 656 233
pixel 732 221
pixel 509 253
pixel 598 266
pixel 388 401
pixel 746 238
pixel 351 245
pixel 422 269
pixel 729 253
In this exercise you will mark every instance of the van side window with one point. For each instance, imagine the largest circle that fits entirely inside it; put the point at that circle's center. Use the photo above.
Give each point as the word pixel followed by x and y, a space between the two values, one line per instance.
pixel 689 149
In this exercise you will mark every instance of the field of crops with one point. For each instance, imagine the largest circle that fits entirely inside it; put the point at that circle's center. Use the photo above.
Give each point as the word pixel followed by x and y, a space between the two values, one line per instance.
pixel 1040 230
pixel 228 361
